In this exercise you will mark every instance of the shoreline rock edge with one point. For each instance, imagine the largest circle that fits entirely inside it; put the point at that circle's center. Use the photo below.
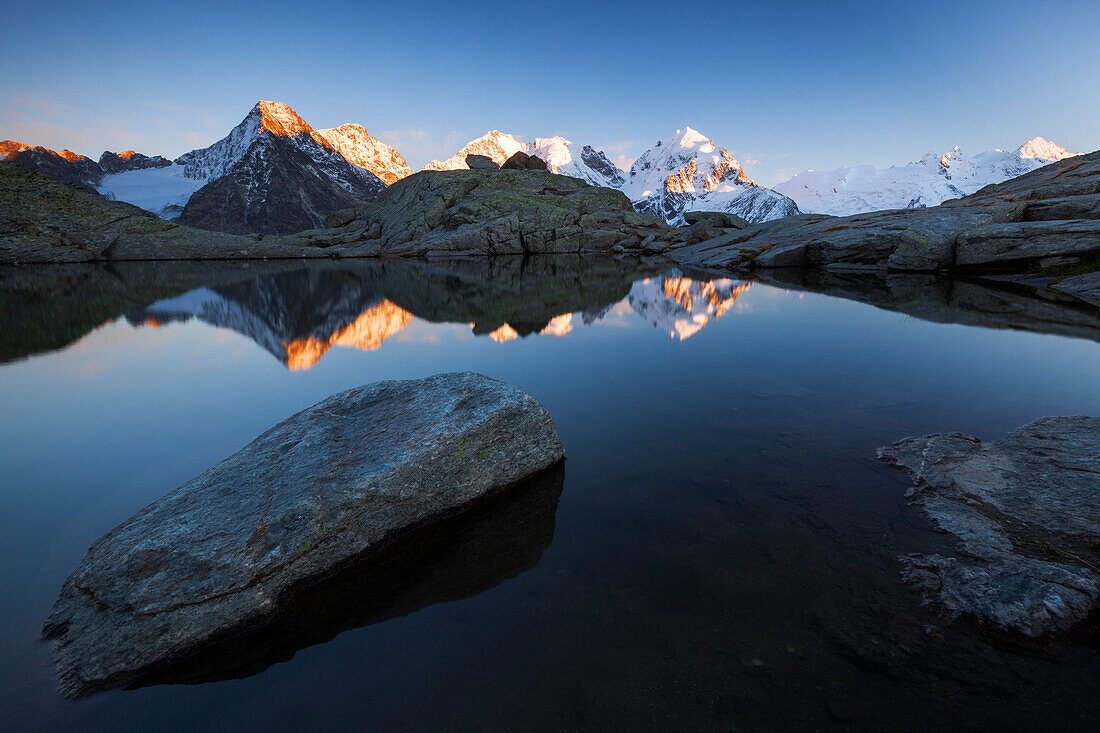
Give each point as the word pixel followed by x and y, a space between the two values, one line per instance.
pixel 1024 512
pixel 320 490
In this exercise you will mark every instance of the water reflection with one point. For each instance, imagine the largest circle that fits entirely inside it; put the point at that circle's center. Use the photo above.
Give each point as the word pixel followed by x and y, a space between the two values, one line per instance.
pixel 298 312
pixel 505 536
pixel 299 316
pixel 681 305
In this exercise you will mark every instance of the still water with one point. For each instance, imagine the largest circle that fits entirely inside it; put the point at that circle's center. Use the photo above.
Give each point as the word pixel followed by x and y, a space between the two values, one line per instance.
pixel 718 552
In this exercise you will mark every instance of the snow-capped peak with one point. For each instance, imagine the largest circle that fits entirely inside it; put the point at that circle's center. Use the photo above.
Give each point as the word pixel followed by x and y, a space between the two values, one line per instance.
pixel 928 182
pixel 499 146
pixel 691 138
pixel 362 149
pixel 1040 148
pixel 687 172
pixel 279 119
pixel 953 155
pixel 589 165
pixel 274 118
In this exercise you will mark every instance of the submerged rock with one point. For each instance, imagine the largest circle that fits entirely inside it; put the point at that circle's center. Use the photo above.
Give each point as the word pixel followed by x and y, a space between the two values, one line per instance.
pixel 337 482
pixel 1024 510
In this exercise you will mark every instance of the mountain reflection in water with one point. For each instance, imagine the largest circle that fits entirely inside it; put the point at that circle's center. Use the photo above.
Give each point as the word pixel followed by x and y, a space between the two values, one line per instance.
pixel 298 316
pixel 298 311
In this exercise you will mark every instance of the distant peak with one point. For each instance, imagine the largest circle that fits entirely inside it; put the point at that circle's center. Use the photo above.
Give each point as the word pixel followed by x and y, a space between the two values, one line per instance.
pixel 280 119
pixel 689 137
pixel 1042 149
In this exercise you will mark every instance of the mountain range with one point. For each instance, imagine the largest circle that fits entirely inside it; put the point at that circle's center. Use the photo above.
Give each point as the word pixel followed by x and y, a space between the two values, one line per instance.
pixel 274 174
pixel 928 182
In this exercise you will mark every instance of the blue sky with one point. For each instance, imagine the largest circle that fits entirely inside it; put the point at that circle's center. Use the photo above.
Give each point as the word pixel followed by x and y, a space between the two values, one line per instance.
pixel 784 85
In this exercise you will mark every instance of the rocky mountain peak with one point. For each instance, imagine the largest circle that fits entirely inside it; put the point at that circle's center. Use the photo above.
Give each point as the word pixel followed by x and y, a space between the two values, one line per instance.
pixel 687 172
pixel 1040 148
pixel 280 119
pixel 9 147
pixel 366 151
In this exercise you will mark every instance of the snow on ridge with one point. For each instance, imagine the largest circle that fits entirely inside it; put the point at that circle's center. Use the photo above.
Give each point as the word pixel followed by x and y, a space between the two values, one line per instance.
pixel 499 146
pixel 687 172
pixel 927 182
pixel 361 148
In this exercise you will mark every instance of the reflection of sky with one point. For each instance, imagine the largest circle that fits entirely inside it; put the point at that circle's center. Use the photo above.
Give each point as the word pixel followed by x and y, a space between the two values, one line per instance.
pixel 93 432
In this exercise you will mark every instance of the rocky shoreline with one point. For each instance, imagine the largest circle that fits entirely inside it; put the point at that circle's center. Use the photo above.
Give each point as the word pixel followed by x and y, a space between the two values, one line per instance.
pixel 329 486
pixel 1024 512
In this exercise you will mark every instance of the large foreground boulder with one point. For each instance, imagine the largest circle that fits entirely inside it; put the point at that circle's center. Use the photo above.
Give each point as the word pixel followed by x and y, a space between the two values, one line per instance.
pixel 335 483
pixel 1025 512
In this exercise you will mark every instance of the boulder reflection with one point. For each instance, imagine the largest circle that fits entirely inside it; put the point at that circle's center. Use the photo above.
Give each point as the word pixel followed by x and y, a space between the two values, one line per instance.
pixel 501 538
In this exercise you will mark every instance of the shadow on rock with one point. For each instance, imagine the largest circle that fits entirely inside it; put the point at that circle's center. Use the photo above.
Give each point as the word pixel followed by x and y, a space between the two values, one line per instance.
pixel 501 538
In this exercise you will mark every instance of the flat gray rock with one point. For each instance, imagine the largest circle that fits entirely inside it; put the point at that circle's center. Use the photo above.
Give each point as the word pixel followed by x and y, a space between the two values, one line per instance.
pixel 1026 512
pixel 335 483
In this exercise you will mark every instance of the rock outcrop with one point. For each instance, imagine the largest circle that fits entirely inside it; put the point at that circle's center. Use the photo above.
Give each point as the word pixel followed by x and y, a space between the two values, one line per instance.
pixel 501 538
pixel 128 160
pixel 1051 212
pixel 332 485
pixel 464 213
pixel 1024 510
pixel 522 161
pixel 481 163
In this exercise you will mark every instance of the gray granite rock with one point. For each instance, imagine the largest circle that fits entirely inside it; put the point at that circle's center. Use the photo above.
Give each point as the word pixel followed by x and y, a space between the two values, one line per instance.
pixel 481 163
pixel 1027 240
pixel 1026 512
pixel 331 485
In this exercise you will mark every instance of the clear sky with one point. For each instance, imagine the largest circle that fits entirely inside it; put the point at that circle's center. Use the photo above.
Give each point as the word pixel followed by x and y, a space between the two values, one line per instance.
pixel 784 85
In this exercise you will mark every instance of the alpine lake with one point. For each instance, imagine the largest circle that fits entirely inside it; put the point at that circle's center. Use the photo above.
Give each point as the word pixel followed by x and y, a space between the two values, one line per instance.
pixel 718 551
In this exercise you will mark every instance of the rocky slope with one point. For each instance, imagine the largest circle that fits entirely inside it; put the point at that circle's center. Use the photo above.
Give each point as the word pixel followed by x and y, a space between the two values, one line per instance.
pixel 225 552
pixel 63 165
pixel 46 220
pixel 272 174
pixel 1023 509
pixel 465 213
pixel 928 182
pixel 129 160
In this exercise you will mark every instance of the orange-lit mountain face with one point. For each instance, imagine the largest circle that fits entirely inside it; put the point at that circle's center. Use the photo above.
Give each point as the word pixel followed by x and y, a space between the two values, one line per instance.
pixel 366 333
pixel 63 165
pixel 360 148
pixel 272 174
